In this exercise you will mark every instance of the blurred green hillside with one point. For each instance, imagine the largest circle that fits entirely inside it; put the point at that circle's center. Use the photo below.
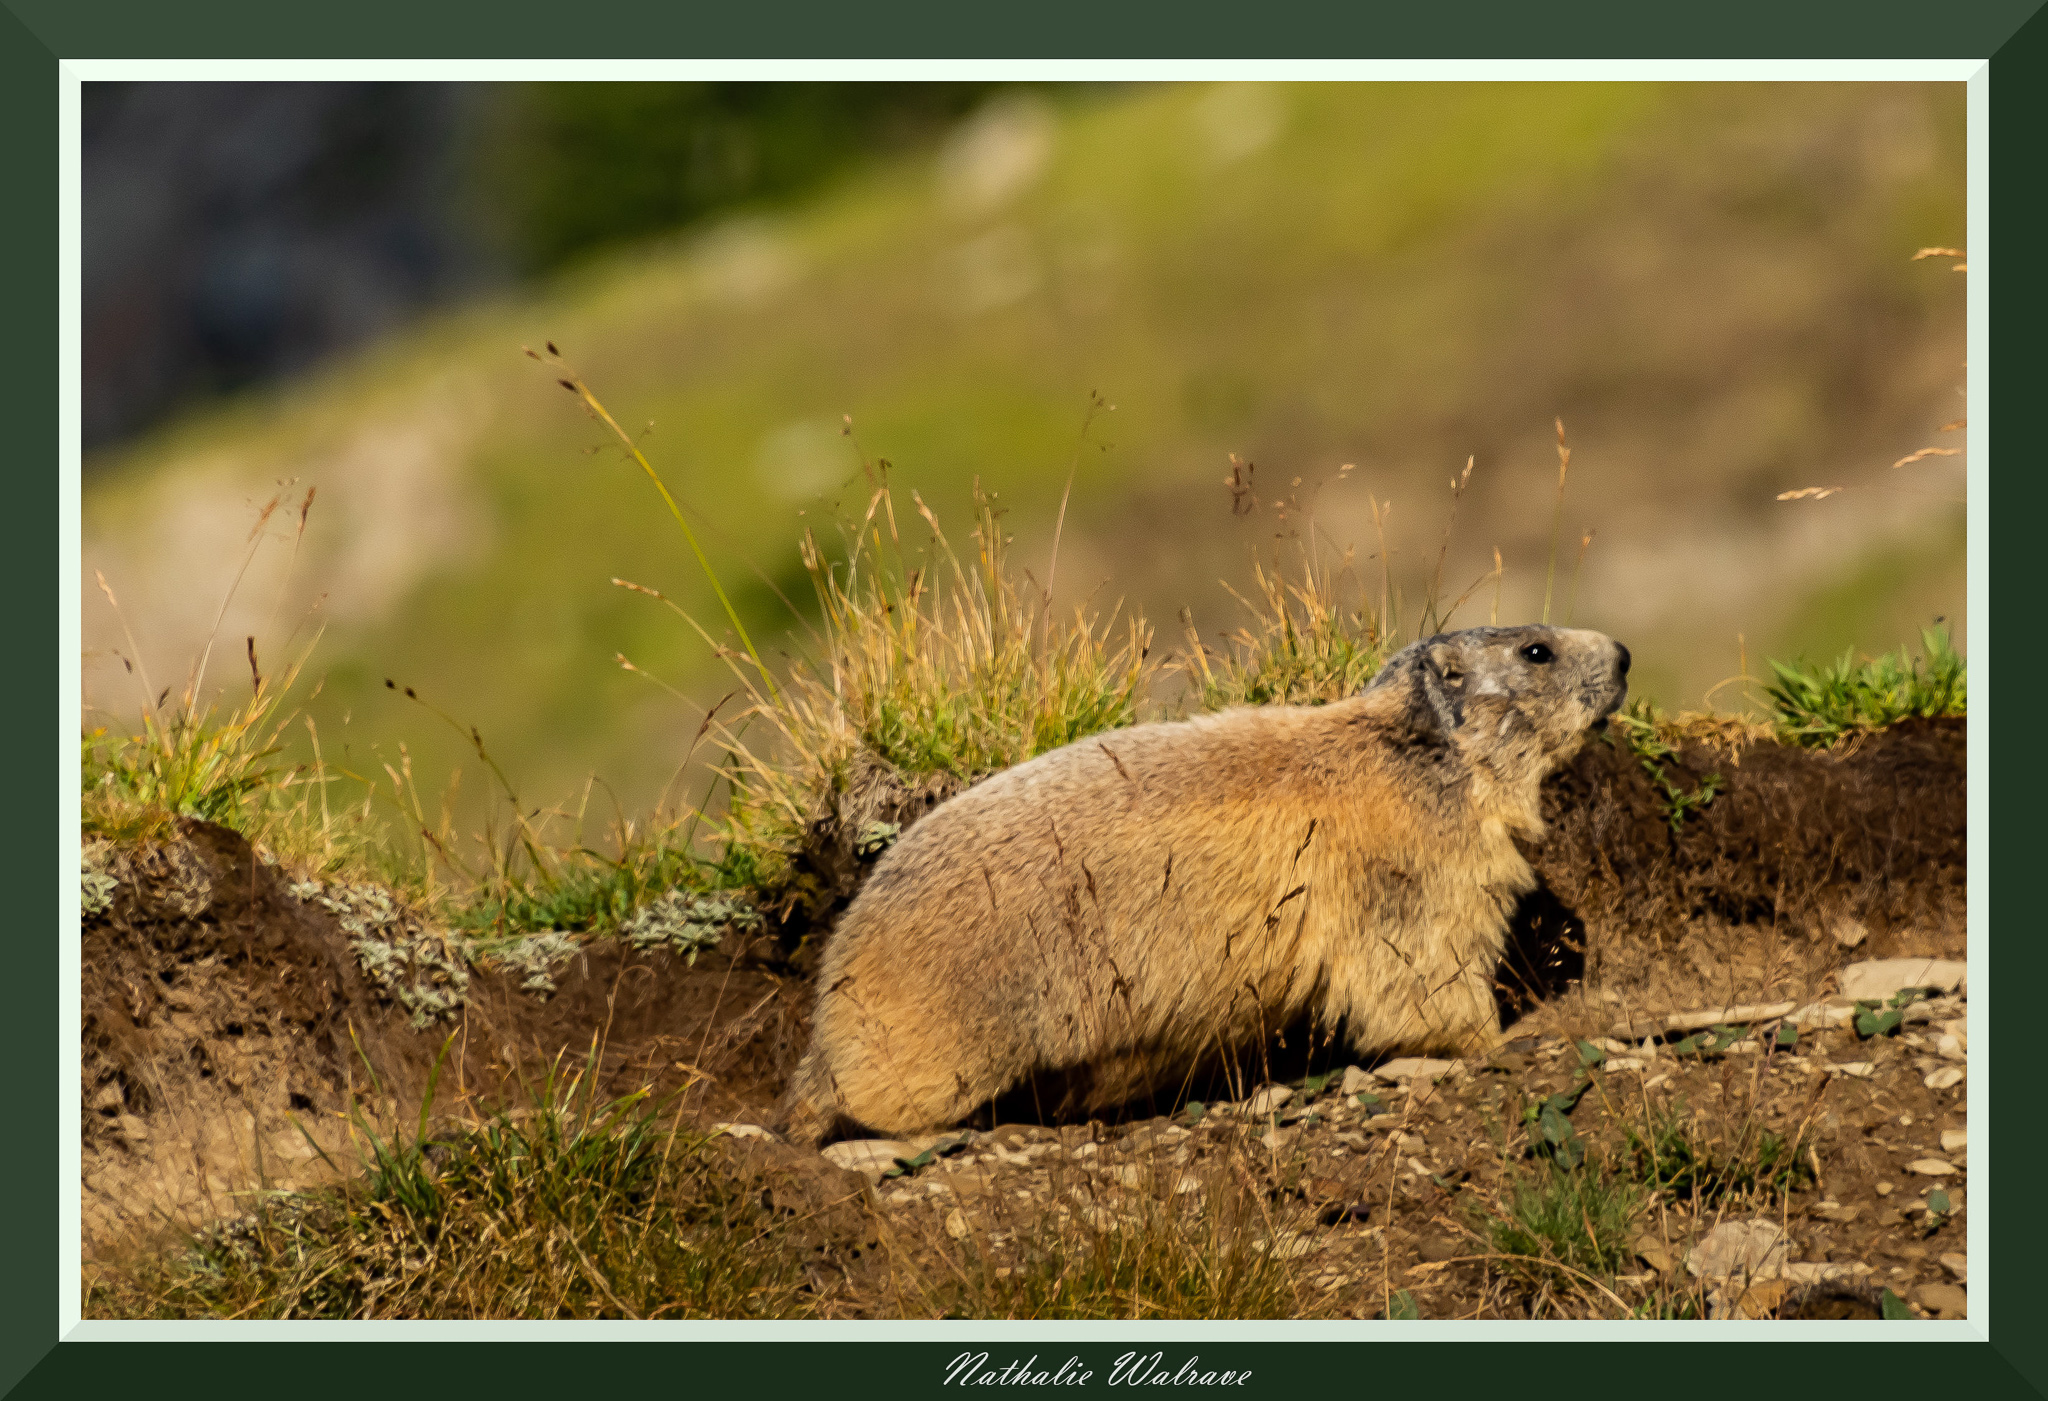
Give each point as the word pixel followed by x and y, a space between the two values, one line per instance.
pixel 1711 284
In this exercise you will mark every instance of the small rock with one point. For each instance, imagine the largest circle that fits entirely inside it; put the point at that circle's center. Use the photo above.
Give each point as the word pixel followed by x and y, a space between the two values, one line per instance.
pixel 870 1157
pixel 1267 1101
pixel 1804 1272
pixel 1949 1046
pixel 134 1128
pixel 1410 1143
pixel 1824 1015
pixel 1884 1189
pixel 1881 979
pixel 1622 1064
pixel 1356 1081
pixel 1416 1068
pixel 1279 1140
pixel 1958 1265
pixel 744 1131
pixel 1085 1150
pixel 956 1224
pixel 1849 931
pixel 1835 1211
pixel 1437 1249
pixel 1653 1253
pixel 1288 1245
pixel 1931 1167
pixel 1763 1300
pixel 109 1097
pixel 1941 1298
pixel 1954 1140
pixel 1944 1078
pixel 1753 1249
pixel 1859 1069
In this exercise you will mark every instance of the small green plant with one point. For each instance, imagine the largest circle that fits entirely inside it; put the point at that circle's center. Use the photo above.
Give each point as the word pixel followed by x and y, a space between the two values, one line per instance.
pixel 1561 1223
pixel 1874 1018
pixel 1402 1305
pixel 1683 1156
pixel 904 1167
pixel 1642 728
pixel 1712 1043
pixel 1549 1127
pixel 1822 705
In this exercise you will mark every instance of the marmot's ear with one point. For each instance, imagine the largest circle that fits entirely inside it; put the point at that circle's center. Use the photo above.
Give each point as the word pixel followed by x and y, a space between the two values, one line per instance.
pixel 1439 683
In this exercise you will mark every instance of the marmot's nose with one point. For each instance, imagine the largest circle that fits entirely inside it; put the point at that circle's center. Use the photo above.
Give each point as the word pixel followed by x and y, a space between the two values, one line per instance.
pixel 1624 657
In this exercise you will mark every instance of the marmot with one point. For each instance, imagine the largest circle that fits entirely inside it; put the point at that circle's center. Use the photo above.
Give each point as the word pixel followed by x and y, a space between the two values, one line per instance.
pixel 1117 909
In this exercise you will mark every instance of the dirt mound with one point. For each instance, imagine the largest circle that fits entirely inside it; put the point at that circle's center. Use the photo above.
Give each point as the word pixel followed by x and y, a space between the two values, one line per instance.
pixel 1802 860
pixel 228 1029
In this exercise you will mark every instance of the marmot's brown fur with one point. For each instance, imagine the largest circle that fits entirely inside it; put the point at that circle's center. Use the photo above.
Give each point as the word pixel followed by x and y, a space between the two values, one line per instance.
pixel 1119 908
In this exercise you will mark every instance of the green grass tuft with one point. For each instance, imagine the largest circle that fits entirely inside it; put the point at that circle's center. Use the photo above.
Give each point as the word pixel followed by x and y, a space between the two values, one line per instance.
pixel 1559 1225
pixel 1675 1154
pixel 1304 646
pixel 1822 705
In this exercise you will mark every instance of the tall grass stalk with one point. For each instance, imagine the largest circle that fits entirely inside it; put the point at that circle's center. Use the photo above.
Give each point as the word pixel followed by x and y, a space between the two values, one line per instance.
pixel 1564 465
pixel 573 382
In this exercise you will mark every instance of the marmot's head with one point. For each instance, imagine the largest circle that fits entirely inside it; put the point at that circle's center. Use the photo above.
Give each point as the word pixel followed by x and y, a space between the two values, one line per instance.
pixel 1515 702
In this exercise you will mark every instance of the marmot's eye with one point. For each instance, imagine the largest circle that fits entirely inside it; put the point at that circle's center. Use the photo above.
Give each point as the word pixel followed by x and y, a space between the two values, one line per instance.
pixel 1536 652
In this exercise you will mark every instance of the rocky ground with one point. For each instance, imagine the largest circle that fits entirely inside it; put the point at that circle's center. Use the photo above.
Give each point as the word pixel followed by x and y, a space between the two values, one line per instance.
pixel 1386 1187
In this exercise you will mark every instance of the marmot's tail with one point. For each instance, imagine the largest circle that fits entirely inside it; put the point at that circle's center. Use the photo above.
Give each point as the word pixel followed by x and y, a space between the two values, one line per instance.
pixel 810 1110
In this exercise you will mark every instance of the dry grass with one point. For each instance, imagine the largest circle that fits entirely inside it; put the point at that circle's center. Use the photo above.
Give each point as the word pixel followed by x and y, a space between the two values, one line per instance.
pixel 924 667
pixel 570 1207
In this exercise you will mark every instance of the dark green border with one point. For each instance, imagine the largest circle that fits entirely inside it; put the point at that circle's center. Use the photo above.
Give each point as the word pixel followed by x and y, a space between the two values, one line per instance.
pixel 34 32
pixel 1047 28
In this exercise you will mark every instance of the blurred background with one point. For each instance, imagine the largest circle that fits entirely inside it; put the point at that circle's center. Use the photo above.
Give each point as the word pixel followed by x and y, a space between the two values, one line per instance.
pixel 328 286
